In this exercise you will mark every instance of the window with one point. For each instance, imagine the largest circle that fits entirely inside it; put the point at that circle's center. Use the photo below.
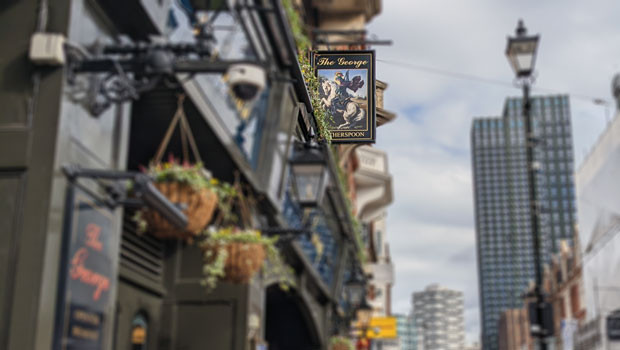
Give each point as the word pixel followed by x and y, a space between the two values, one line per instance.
pixel 574 299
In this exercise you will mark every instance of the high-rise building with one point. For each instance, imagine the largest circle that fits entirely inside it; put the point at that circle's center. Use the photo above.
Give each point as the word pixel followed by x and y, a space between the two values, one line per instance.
pixel 503 227
pixel 405 327
pixel 438 316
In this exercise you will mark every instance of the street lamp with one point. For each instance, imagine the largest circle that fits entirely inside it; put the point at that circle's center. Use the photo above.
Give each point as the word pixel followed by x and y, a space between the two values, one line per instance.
pixel 521 52
pixel 309 174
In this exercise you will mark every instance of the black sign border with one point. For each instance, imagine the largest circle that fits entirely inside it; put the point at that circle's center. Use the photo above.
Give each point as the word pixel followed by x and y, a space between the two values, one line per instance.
pixel 371 96
pixel 71 198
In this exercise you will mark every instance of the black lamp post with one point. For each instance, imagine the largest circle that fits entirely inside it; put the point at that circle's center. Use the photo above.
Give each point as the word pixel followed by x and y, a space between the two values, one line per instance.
pixel 521 52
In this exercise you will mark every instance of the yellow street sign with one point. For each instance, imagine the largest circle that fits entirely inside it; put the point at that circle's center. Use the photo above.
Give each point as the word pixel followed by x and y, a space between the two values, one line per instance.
pixel 381 328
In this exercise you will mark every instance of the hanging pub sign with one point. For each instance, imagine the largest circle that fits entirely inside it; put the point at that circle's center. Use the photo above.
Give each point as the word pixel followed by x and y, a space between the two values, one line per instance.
pixel 347 92
pixel 88 269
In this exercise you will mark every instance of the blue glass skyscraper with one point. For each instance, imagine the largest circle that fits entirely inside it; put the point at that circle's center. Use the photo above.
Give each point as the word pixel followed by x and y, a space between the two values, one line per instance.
pixel 503 236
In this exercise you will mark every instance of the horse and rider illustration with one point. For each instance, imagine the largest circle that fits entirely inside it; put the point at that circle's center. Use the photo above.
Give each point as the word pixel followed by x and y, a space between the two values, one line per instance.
pixel 339 96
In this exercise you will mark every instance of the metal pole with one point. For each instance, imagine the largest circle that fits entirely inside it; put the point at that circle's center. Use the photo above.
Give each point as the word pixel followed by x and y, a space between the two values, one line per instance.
pixel 534 207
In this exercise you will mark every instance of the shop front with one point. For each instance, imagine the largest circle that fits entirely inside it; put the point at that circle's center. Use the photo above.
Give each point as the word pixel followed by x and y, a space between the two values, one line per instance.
pixel 93 280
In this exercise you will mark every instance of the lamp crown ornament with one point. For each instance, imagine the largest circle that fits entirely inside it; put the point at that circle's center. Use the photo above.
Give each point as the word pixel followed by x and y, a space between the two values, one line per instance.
pixel 521 30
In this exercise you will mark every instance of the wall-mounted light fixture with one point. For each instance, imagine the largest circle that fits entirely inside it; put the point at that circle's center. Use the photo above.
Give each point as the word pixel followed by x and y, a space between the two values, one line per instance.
pixel 309 173
pixel 355 287
pixel 309 180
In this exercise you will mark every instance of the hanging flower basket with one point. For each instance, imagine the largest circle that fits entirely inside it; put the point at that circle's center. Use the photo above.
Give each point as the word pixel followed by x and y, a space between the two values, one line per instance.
pixel 184 185
pixel 243 260
pixel 340 343
pixel 188 185
pixel 340 346
pixel 235 255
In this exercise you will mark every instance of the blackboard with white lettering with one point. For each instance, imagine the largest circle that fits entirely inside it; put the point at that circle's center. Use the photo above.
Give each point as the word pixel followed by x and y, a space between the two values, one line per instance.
pixel 87 273
pixel 613 326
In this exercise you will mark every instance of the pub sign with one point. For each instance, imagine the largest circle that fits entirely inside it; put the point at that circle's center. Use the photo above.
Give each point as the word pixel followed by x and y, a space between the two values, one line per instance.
pixel 347 92
pixel 88 270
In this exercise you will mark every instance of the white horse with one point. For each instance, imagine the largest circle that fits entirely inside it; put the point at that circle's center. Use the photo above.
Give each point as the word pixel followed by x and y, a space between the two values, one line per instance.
pixel 352 113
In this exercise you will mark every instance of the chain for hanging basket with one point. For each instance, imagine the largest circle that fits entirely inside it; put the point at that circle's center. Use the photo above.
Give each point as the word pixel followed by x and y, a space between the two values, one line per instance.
pixel 237 200
pixel 197 202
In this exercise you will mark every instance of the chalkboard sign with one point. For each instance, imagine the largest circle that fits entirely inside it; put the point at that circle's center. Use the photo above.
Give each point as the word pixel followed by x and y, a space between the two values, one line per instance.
pixel 87 275
pixel 613 326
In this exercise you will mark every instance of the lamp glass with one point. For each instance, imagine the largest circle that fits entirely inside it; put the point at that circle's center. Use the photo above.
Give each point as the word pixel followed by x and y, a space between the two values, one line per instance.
pixel 309 183
pixel 355 291
pixel 521 53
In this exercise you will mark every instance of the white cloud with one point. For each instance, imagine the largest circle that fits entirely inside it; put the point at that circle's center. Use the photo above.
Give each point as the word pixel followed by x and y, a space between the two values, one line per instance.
pixel 430 224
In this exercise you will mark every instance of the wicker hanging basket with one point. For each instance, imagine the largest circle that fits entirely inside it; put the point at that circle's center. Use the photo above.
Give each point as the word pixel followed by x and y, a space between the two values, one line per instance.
pixel 243 261
pixel 340 343
pixel 198 203
pixel 199 207
pixel 340 346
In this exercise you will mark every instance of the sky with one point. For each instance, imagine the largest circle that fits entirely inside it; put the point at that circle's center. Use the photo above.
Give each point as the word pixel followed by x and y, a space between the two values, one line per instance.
pixel 431 221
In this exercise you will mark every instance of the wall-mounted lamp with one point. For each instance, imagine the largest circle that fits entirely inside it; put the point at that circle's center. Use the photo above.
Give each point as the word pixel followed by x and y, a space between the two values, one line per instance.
pixel 309 179
pixel 309 173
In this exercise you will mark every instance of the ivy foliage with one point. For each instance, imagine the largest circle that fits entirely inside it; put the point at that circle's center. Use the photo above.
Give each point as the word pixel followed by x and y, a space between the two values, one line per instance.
pixel 214 268
pixel 304 50
pixel 357 225
pixel 339 342
pixel 193 175
pixel 321 117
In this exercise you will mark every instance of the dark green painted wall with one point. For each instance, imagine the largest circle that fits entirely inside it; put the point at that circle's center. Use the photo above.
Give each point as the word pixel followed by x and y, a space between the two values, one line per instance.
pixel 28 125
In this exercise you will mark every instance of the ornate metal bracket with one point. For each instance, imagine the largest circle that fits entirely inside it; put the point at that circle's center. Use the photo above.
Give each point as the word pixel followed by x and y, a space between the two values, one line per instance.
pixel 146 194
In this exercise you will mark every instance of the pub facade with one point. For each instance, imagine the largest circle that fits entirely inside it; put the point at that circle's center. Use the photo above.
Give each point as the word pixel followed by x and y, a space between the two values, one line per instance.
pixel 76 271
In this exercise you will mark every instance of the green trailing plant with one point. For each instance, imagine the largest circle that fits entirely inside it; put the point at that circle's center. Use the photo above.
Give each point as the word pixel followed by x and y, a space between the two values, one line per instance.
pixel 215 259
pixel 297 26
pixel 340 343
pixel 321 117
pixel 357 225
pixel 193 175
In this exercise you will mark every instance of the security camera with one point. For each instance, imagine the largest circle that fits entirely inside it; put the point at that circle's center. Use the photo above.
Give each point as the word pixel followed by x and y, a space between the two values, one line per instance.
pixel 246 80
